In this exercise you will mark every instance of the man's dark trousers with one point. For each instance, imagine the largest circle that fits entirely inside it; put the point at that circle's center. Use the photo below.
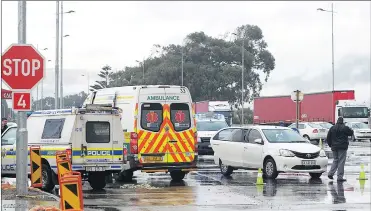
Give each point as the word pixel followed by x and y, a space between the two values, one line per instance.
pixel 338 164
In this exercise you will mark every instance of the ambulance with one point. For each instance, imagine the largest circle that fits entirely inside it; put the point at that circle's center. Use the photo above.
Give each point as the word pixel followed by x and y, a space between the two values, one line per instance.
pixel 92 136
pixel 158 122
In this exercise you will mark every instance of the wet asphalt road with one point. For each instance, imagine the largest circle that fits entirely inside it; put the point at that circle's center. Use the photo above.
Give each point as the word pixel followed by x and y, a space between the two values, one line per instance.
pixel 207 189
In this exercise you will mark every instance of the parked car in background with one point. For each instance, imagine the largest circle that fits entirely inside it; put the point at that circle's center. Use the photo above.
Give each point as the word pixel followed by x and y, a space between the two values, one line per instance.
pixel 325 125
pixel 207 126
pixel 361 131
pixel 311 131
pixel 275 149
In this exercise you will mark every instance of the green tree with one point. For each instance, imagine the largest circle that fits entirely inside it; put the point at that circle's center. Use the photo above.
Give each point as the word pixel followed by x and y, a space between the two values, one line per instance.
pixel 106 75
pixel 212 66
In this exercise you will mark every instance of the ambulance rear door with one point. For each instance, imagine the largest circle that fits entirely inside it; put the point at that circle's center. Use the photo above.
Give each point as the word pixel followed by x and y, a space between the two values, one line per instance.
pixel 152 132
pixel 181 135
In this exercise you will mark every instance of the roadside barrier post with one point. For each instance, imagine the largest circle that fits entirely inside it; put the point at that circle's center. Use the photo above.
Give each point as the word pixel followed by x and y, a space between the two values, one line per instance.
pixel 71 192
pixel 36 167
pixel 63 164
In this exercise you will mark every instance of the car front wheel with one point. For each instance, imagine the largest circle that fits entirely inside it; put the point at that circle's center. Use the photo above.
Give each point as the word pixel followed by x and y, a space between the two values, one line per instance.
pixel 270 169
pixel 224 169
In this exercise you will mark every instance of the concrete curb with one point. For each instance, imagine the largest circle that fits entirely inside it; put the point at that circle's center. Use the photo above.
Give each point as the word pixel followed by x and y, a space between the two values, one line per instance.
pixel 11 181
pixel 51 195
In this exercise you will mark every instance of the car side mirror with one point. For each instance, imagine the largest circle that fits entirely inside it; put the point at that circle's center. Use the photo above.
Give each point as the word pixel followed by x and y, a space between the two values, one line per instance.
pixel 258 141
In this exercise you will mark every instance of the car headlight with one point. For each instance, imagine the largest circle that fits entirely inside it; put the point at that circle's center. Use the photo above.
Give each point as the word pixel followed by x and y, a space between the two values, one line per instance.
pixel 198 140
pixel 286 153
pixel 322 153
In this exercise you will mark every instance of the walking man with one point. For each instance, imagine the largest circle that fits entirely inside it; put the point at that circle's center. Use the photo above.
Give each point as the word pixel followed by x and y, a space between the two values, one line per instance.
pixel 337 139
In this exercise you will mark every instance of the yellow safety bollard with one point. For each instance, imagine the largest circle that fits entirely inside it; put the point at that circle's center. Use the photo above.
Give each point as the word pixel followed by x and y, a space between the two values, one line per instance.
pixel 71 192
pixel 36 167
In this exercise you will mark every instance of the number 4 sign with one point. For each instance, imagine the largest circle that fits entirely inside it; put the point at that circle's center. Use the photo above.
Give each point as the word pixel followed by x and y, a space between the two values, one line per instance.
pixel 22 101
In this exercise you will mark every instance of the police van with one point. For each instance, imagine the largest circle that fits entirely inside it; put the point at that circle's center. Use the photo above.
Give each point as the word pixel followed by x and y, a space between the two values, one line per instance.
pixel 92 136
pixel 208 124
pixel 159 126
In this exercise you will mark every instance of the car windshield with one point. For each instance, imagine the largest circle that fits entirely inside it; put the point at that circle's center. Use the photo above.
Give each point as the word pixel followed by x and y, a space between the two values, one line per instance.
pixel 283 136
pixel 211 125
pixel 359 125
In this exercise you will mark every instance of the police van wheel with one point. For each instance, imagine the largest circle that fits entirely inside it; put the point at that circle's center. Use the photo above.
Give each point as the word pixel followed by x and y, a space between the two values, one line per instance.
pixel 97 180
pixel 177 176
pixel 125 176
pixel 47 181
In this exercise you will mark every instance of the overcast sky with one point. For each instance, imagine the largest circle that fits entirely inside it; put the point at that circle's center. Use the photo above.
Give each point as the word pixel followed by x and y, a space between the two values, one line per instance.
pixel 118 33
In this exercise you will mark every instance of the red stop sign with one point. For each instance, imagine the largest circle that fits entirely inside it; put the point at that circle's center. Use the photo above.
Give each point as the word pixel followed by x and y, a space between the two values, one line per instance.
pixel 22 67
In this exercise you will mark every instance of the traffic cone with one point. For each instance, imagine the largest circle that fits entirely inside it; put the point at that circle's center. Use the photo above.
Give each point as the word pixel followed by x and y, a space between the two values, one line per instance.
pixel 320 144
pixel 259 179
pixel 362 174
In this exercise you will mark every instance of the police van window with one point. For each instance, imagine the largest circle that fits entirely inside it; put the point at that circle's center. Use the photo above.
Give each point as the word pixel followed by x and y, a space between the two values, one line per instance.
pixel 151 116
pixel 9 137
pixel 97 132
pixel 53 128
pixel 180 116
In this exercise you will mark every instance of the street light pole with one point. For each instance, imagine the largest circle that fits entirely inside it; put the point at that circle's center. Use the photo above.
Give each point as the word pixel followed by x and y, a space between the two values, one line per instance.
pixel 243 68
pixel 332 52
pixel 87 75
pixel 61 85
pixel 142 68
pixel 42 92
pixel 56 94
pixel 62 37
pixel 143 72
pixel 182 64
pixel 332 43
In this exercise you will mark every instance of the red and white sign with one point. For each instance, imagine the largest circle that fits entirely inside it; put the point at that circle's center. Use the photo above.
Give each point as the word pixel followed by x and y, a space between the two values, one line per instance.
pixel 21 101
pixel 22 67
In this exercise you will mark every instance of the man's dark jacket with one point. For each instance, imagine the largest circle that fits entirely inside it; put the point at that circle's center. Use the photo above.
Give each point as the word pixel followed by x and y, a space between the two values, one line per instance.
pixel 337 136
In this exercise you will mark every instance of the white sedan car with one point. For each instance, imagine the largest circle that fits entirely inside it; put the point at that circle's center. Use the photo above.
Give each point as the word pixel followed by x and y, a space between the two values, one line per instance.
pixel 311 131
pixel 274 149
pixel 361 131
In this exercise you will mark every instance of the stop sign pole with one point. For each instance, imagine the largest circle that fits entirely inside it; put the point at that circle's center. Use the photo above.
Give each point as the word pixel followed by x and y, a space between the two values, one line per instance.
pixel 22 133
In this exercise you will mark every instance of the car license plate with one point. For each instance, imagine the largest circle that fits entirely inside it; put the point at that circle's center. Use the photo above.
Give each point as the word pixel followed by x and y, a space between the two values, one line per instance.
pixel 152 158
pixel 94 168
pixel 308 162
